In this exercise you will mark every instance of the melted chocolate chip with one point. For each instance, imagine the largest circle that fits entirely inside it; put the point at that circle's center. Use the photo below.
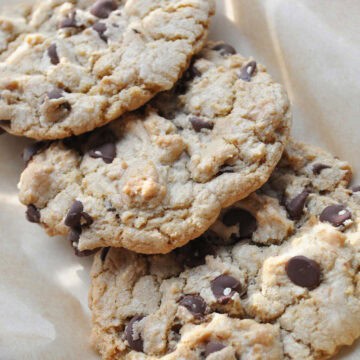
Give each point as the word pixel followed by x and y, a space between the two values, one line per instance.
pixel 318 168
pixel 195 304
pixel 103 8
pixel 133 338
pixel 224 287
pixel 34 149
pixel 100 28
pixel 304 272
pixel 55 93
pixel 247 222
pixel 248 71
pixel 198 124
pixel 212 347
pixel 107 152
pixel 53 55
pixel 295 207
pixel 33 214
pixel 104 253
pixel 68 22
pixel 336 215
pixel 224 49
pixel 73 218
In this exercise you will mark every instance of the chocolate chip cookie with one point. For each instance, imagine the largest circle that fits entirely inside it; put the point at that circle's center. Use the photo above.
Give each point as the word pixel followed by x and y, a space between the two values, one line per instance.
pixel 67 67
pixel 275 278
pixel 158 178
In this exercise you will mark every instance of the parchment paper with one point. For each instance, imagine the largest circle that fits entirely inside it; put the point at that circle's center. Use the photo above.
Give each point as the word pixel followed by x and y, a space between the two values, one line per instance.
pixel 313 47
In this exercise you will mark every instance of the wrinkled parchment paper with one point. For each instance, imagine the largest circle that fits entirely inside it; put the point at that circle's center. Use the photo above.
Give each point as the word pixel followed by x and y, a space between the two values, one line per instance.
pixel 313 47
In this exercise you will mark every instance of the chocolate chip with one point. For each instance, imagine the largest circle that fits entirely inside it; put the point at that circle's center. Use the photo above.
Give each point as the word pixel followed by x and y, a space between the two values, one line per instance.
pixel 34 149
pixel 304 272
pixel 336 215
pixel 74 234
pixel 73 217
pixel 107 152
pixel 212 347
pixel 198 124
pixel 248 71
pixel 224 287
pixel 100 137
pixel 88 220
pixel 104 253
pixel 2 131
pixel 100 28
pixel 55 93
pixel 53 55
pixel 194 253
pixel 103 8
pixel 295 207
pixel 224 49
pixel 355 189
pixel 68 22
pixel 133 337
pixel 195 304
pixel 247 222
pixel 318 168
pixel 76 219
pixel 192 72
pixel 33 214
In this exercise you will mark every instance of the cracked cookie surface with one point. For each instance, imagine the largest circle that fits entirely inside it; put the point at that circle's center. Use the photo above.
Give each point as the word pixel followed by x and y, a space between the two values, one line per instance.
pixel 158 178
pixel 68 67
pixel 241 290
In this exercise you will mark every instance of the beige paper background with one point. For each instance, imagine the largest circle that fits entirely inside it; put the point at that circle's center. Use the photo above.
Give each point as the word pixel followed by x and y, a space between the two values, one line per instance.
pixel 313 47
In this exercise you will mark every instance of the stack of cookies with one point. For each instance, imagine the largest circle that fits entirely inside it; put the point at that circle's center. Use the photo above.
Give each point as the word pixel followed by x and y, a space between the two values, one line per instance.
pixel 217 235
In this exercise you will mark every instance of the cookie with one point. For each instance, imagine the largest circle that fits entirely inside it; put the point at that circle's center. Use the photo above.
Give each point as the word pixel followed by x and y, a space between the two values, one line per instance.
pixel 307 181
pixel 302 284
pixel 158 178
pixel 69 67
pixel 13 23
